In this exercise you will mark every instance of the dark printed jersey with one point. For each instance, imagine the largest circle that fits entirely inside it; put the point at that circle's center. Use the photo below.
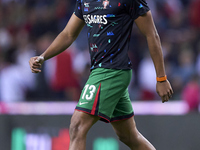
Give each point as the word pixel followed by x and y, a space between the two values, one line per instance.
pixel 109 24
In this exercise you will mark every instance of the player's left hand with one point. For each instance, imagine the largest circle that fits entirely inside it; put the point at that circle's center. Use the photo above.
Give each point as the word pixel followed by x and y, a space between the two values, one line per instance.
pixel 164 90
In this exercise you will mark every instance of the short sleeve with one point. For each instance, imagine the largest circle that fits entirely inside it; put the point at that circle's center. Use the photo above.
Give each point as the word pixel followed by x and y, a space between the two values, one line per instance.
pixel 138 8
pixel 78 9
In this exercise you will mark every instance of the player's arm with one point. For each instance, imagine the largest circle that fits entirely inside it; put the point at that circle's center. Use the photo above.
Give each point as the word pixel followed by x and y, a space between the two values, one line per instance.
pixel 146 25
pixel 61 43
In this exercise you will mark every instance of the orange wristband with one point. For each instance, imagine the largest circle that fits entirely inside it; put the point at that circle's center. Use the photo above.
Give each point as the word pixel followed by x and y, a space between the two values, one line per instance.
pixel 160 79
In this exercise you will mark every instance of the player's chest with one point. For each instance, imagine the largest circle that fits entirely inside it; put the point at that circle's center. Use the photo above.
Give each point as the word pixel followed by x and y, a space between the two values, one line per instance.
pixel 101 6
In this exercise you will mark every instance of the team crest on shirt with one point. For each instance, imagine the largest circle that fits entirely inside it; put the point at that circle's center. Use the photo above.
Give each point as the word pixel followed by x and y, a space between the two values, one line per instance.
pixel 86 6
pixel 106 3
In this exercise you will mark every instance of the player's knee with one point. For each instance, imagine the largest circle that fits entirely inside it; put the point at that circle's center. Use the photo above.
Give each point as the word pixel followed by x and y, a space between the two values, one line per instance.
pixel 130 139
pixel 75 129
pixel 124 138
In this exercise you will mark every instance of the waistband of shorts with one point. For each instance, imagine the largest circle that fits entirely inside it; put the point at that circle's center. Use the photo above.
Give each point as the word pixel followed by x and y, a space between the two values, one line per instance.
pixel 109 70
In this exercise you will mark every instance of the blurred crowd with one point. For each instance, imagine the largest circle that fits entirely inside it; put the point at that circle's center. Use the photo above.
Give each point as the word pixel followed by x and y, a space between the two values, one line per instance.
pixel 27 27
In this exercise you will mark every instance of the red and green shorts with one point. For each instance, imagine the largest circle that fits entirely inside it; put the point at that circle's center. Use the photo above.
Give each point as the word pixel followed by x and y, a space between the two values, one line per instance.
pixel 106 95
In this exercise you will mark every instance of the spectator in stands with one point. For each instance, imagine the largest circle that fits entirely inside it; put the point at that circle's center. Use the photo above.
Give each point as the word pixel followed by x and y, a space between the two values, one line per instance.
pixel 194 11
pixel 191 93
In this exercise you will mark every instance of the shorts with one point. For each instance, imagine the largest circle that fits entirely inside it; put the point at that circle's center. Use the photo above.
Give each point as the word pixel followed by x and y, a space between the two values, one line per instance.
pixel 106 95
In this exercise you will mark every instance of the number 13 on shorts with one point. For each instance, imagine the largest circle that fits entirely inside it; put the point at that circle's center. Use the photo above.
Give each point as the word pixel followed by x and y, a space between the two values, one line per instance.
pixel 89 91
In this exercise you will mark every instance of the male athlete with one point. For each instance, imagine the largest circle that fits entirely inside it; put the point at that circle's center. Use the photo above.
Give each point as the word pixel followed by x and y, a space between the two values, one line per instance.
pixel 105 96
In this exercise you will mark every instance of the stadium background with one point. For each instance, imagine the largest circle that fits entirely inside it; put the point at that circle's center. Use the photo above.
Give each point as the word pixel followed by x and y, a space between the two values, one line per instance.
pixel 27 27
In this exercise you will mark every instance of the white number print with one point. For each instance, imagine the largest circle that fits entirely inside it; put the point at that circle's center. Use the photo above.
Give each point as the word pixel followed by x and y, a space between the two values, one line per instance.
pixel 92 89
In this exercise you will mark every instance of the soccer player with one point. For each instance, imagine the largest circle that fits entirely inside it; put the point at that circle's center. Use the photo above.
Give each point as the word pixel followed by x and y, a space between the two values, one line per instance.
pixel 105 96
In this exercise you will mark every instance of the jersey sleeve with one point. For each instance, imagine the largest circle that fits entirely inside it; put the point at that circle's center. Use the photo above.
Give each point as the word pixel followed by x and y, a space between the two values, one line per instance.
pixel 137 8
pixel 78 9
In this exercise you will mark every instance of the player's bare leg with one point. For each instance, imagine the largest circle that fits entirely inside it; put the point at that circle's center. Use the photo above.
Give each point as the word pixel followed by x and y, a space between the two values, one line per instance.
pixel 79 127
pixel 128 134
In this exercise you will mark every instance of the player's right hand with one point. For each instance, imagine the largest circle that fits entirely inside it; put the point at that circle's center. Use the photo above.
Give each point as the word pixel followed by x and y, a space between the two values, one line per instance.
pixel 36 63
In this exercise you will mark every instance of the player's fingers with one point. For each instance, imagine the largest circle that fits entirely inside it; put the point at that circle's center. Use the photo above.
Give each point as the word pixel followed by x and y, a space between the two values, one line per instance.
pixel 165 98
pixel 37 63
pixel 171 91
pixel 31 65
pixel 36 66
pixel 35 70
pixel 31 61
pixel 169 94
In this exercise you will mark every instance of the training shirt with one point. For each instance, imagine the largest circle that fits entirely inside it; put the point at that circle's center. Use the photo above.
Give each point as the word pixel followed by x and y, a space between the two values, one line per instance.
pixel 109 24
